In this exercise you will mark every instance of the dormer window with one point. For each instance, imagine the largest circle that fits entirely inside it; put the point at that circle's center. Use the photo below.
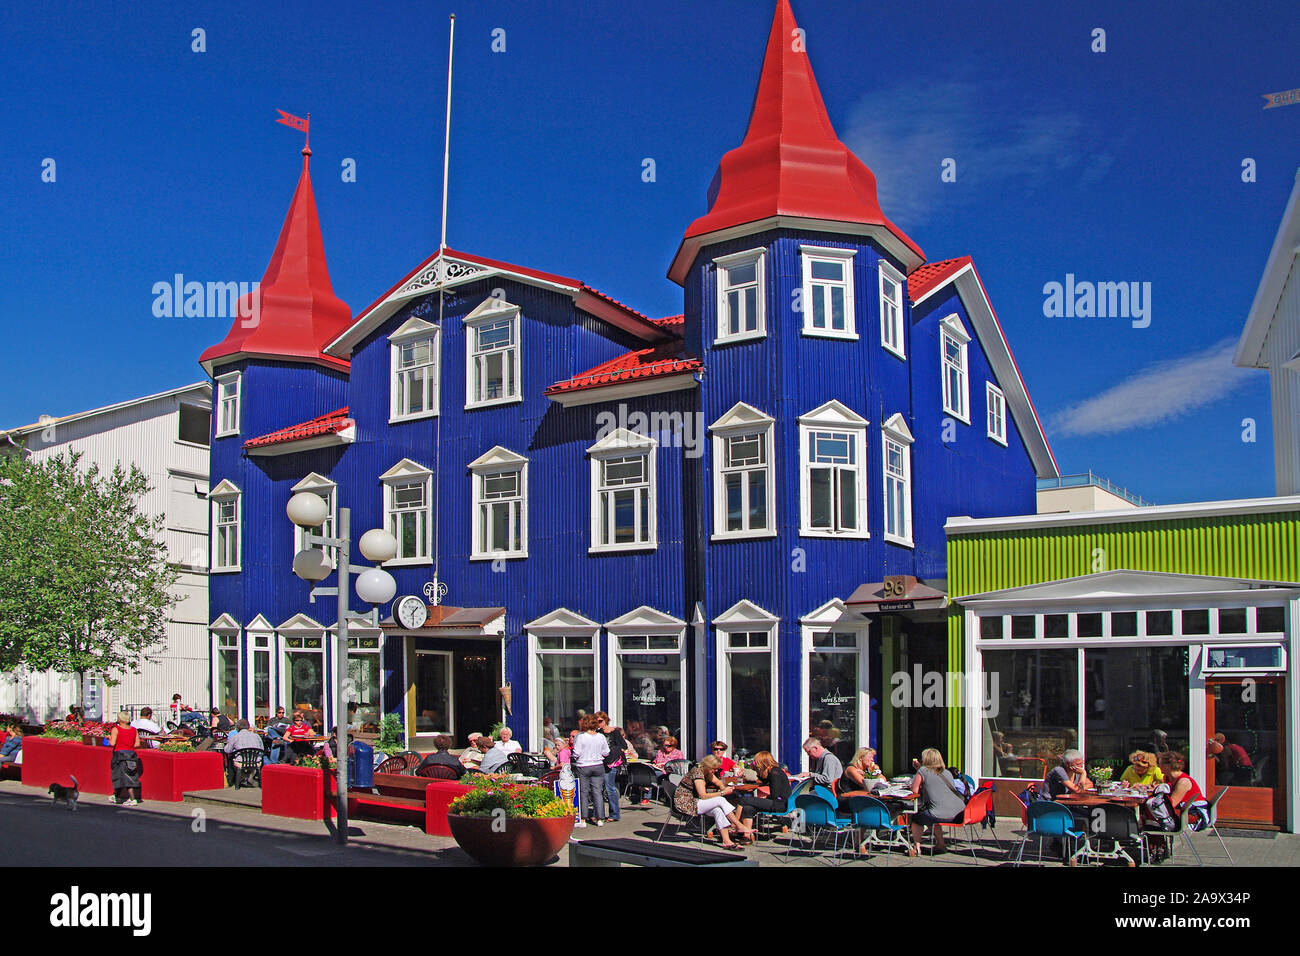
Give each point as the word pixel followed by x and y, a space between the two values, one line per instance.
pixel 828 292
pixel 740 296
pixel 891 309
pixel 492 354
pixel 414 360
pixel 228 387
pixel 953 338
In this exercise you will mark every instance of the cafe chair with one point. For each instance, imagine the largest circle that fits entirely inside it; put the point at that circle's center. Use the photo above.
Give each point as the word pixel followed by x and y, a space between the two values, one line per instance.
pixel 1047 819
pixel 1116 824
pixel 871 817
pixel 518 763
pixel 676 770
pixel 548 778
pixel 815 815
pixel 246 767
pixel 438 771
pixel 1211 814
pixel 676 817
pixel 978 808
pixel 412 761
pixel 769 820
pixel 392 765
pixel 641 777
pixel 1183 829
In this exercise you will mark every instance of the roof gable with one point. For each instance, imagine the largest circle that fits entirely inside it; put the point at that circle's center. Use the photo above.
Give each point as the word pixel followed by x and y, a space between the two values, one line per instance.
pixel 1278 271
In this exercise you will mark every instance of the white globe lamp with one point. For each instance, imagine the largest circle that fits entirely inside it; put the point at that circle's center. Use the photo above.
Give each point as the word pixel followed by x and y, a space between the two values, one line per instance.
pixel 307 510
pixel 378 545
pixel 312 564
pixel 376 586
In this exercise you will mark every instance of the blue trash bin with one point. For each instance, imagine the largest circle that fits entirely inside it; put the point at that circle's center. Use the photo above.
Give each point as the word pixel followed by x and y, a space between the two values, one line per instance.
pixel 361 766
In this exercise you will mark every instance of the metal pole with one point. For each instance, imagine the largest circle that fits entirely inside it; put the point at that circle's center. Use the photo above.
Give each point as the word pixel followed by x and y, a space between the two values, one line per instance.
pixel 446 143
pixel 341 671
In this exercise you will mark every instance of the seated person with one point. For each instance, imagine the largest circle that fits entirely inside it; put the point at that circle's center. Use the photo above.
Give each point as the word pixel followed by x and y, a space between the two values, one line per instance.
pixel 442 756
pixel 777 784
pixel 495 760
pixel 1068 776
pixel 1183 790
pixel 299 728
pixel 862 775
pixel 937 800
pixel 668 750
pixel 1142 770
pixel 244 738
pixel 146 724
pixel 13 744
pixel 719 749
pixel 702 793
pixel 472 756
pixel 823 766
pixel 506 745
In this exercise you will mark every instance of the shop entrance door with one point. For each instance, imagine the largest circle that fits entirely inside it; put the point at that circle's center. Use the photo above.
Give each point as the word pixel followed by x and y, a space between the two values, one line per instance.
pixel 478 675
pixel 1250 760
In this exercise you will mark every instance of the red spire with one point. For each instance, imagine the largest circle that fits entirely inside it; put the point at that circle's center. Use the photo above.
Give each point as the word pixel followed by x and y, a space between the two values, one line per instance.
pixel 791 163
pixel 299 313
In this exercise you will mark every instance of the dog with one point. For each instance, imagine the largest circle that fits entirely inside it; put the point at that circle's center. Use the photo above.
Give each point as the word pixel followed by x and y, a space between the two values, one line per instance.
pixel 68 795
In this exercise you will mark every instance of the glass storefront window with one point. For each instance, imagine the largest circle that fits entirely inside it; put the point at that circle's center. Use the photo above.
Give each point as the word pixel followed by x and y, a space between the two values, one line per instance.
pixel 1056 625
pixel 1136 698
pixel 1022 626
pixel 749 692
pixel 432 692
pixel 991 628
pixel 1124 624
pixel 363 690
pixel 1160 623
pixel 1270 620
pixel 1196 622
pixel 568 684
pixel 1089 625
pixel 833 692
pixel 305 679
pixel 226 692
pixel 262 679
pixel 1232 620
pixel 1032 716
pixel 652 691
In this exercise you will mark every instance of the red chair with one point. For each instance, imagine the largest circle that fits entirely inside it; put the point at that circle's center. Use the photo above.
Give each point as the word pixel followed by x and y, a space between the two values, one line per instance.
pixel 835 788
pixel 1033 768
pixel 438 771
pixel 392 765
pixel 978 807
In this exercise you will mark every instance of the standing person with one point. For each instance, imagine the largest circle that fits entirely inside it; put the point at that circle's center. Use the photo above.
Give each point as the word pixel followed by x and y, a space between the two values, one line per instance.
pixel 125 767
pixel 589 753
pixel 771 775
pixel 823 766
pixel 176 709
pixel 939 801
pixel 619 751
pixel 702 792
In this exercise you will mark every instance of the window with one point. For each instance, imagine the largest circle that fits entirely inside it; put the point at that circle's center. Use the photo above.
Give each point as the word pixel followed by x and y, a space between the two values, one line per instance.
pixel 228 404
pixel 623 501
pixel 744 480
pixel 225 660
pixel 997 411
pixel 225 499
pixel 1031 710
pixel 835 694
pixel 259 688
pixel 832 443
pixel 740 296
pixel 952 351
pixel 407 497
pixel 896 443
pixel 193 424
pixel 303 671
pixel 746 678
pixel 328 491
pixel 891 309
pixel 827 302
pixel 415 382
pixel 500 524
pixel 492 354
pixel 363 683
pixel 563 676
pixel 649 682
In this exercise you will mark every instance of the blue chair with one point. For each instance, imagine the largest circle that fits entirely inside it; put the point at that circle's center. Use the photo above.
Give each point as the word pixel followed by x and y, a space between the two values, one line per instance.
pixel 872 817
pixel 816 815
pixel 771 816
pixel 1047 819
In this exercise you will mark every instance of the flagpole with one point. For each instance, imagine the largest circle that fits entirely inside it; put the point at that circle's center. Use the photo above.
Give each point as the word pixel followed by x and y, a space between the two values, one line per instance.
pixel 446 143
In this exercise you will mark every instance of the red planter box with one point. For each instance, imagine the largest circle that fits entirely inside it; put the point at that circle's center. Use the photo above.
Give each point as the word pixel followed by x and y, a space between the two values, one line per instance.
pixel 298 792
pixel 167 776
pixel 437 797
pixel 47 761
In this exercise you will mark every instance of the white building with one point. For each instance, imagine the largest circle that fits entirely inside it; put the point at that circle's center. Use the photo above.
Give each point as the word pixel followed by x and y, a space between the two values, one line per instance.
pixel 1271 340
pixel 166 435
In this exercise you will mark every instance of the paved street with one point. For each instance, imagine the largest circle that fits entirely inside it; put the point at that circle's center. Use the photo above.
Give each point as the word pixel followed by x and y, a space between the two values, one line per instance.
pixel 162 834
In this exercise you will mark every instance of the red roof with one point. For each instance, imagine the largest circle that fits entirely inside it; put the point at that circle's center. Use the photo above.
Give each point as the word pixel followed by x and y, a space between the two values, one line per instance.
pixel 791 162
pixel 654 362
pixel 933 274
pixel 331 423
pixel 299 313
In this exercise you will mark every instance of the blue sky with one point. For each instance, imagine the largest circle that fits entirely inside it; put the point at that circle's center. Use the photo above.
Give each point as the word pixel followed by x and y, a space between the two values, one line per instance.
pixel 1116 166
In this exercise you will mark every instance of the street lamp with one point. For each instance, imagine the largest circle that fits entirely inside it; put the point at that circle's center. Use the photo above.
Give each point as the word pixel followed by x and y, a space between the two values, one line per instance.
pixel 375 586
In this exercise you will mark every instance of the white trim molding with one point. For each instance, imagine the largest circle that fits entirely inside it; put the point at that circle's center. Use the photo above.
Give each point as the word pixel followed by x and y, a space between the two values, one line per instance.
pixel 490 312
pixel 820 290
pixel 499 465
pixel 618 449
pixel 740 423
pixel 724 285
pixel 841 434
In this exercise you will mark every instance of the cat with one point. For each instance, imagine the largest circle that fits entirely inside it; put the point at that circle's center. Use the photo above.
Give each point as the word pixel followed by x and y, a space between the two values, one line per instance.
pixel 66 795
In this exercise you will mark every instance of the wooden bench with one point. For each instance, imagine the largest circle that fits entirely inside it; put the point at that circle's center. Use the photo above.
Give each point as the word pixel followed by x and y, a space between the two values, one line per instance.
pixel 421 800
pixel 644 853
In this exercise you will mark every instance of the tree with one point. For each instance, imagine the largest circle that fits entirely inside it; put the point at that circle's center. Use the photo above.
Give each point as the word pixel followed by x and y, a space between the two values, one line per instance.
pixel 84 579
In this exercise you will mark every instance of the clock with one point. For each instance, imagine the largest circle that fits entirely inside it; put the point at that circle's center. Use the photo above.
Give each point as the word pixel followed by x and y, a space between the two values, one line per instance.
pixel 410 611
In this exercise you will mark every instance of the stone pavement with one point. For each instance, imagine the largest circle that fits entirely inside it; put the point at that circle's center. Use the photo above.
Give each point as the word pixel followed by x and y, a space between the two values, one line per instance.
pixel 229 834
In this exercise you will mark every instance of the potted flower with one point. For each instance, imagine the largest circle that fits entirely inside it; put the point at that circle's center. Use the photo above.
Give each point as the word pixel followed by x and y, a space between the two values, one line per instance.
pixel 63 730
pixel 502 823
pixel 177 747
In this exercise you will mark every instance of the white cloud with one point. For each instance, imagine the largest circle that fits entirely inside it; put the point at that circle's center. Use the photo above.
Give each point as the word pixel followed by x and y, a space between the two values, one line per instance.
pixel 904 133
pixel 1158 393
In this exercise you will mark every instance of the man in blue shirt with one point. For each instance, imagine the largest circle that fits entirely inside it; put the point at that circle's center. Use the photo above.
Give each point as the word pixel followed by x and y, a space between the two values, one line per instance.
pixel 13 743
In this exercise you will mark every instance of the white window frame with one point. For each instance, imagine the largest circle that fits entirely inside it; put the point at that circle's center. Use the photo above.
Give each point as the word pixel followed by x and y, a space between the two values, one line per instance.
pixel 318 485
pixel 225 491
pixel 899 346
pixel 301 627
pixel 413 330
pixel 490 311
pixel 403 473
pixel 833 417
pixel 814 287
pixel 565 624
pixel 739 421
pixel 224 635
pixel 644 622
pixel 721 266
pixel 621 443
pixel 260 629
pixel 741 618
pixel 498 461
pixel 896 432
pixel 835 617
pixel 993 397
pixel 229 407
pixel 950 327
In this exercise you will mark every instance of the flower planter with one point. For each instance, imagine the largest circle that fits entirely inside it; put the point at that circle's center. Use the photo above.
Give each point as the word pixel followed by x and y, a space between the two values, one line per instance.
pixel 167 776
pixel 299 792
pixel 47 760
pixel 514 841
pixel 437 798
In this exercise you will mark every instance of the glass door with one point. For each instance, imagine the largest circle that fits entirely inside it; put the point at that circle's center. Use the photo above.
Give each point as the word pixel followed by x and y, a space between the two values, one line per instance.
pixel 1245 751
pixel 432 710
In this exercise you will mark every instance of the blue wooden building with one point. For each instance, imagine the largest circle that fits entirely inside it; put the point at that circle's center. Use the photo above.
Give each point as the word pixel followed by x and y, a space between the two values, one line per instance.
pixel 725 523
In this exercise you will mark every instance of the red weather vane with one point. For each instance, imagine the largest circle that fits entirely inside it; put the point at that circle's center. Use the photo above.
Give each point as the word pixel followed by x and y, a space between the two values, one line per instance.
pixel 295 122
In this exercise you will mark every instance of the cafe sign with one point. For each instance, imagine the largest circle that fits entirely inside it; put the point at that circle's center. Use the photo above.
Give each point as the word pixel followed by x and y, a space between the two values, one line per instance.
pixel 646 695
pixel 835 700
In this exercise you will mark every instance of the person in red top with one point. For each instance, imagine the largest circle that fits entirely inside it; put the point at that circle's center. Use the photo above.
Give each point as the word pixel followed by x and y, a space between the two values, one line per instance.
pixel 297 729
pixel 1182 788
pixel 719 750
pixel 125 766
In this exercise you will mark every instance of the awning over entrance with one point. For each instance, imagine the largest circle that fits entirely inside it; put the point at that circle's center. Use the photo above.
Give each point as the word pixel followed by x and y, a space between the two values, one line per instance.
pixel 445 620
pixel 901 592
